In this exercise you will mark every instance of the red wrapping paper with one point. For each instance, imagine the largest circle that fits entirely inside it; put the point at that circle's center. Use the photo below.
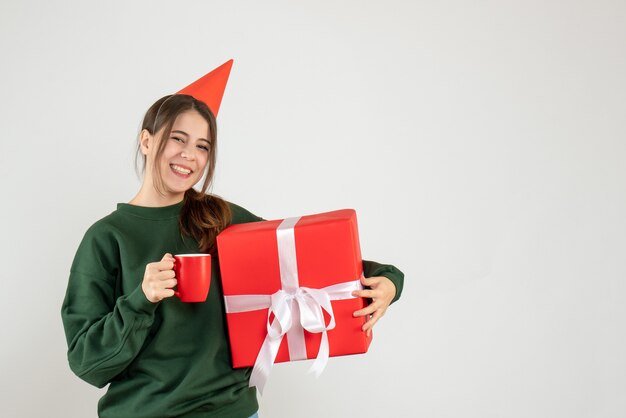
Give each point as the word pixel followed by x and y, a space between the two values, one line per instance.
pixel 328 253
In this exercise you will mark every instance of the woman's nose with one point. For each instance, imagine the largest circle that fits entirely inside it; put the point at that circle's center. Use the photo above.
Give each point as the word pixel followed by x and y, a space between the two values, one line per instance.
pixel 188 153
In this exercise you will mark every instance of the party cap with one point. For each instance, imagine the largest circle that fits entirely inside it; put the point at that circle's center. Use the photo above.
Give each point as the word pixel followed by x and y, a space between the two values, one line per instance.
pixel 210 88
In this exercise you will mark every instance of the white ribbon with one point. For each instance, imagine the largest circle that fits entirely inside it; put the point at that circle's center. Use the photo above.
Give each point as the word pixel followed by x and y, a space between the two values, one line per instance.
pixel 295 309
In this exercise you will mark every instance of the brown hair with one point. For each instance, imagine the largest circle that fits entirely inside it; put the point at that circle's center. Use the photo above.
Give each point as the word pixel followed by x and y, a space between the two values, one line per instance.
pixel 203 216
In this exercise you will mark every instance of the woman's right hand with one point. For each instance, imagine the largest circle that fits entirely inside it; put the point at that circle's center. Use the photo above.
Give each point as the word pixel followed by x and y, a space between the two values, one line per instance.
pixel 159 279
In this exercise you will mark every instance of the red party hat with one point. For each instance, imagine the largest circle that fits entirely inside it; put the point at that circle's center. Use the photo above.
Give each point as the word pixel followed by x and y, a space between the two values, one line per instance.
pixel 210 88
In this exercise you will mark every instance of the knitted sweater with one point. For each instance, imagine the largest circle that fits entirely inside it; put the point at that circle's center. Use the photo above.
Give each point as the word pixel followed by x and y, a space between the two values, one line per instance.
pixel 160 359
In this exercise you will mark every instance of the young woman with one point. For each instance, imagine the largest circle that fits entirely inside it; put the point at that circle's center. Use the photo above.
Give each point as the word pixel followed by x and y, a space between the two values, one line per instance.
pixel 162 357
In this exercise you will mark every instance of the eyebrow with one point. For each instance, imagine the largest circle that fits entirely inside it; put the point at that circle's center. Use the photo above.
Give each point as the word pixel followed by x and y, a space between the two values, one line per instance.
pixel 187 135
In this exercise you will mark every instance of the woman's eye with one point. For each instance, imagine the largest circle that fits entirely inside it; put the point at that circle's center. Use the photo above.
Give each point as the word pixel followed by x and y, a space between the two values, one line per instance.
pixel 203 147
pixel 177 139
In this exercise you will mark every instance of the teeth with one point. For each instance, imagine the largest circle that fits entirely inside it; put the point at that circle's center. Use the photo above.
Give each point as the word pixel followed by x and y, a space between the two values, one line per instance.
pixel 180 169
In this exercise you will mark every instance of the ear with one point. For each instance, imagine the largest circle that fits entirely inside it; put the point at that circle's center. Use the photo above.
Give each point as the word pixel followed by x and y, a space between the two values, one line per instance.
pixel 145 141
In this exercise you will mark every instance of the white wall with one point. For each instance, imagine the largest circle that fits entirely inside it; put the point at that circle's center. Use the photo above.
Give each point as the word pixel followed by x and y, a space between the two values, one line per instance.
pixel 482 144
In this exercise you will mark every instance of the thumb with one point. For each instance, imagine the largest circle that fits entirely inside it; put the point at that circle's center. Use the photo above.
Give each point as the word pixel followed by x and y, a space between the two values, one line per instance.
pixel 367 281
pixel 168 257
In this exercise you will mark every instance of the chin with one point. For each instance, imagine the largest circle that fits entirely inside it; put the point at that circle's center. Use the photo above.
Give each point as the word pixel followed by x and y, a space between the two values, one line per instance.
pixel 180 189
pixel 174 190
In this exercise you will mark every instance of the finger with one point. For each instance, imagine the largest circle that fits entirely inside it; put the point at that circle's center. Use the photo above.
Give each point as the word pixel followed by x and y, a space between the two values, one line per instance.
pixel 168 256
pixel 165 275
pixel 367 327
pixel 368 310
pixel 369 324
pixel 163 265
pixel 169 283
pixel 372 321
pixel 155 276
pixel 368 281
pixel 166 293
pixel 367 293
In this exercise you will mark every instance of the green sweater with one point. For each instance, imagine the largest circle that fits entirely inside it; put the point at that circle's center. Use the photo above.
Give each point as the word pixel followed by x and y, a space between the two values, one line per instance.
pixel 163 359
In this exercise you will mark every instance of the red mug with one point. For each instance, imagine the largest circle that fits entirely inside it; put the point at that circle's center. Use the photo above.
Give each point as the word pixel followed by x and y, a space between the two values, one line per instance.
pixel 193 274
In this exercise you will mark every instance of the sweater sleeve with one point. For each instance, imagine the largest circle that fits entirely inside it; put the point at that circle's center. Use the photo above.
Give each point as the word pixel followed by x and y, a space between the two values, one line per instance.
pixel 104 334
pixel 372 268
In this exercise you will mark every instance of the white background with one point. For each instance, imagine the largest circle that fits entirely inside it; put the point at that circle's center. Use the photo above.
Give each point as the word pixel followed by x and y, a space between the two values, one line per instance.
pixel 482 144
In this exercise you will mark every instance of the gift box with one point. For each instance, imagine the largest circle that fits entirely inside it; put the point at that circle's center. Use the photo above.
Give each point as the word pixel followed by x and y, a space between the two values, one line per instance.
pixel 287 288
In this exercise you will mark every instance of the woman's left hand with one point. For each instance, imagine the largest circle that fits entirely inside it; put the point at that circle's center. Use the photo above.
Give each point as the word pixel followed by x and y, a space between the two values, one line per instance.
pixel 381 291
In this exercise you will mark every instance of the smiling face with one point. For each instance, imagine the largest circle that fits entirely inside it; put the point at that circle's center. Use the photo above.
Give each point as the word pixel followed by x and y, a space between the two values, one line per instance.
pixel 186 153
pixel 182 161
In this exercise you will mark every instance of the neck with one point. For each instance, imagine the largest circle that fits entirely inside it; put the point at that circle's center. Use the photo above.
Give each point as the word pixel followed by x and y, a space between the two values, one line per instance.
pixel 148 196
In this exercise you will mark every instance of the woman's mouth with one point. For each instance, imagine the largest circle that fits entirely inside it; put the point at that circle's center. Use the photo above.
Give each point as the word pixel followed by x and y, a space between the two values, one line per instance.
pixel 182 171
